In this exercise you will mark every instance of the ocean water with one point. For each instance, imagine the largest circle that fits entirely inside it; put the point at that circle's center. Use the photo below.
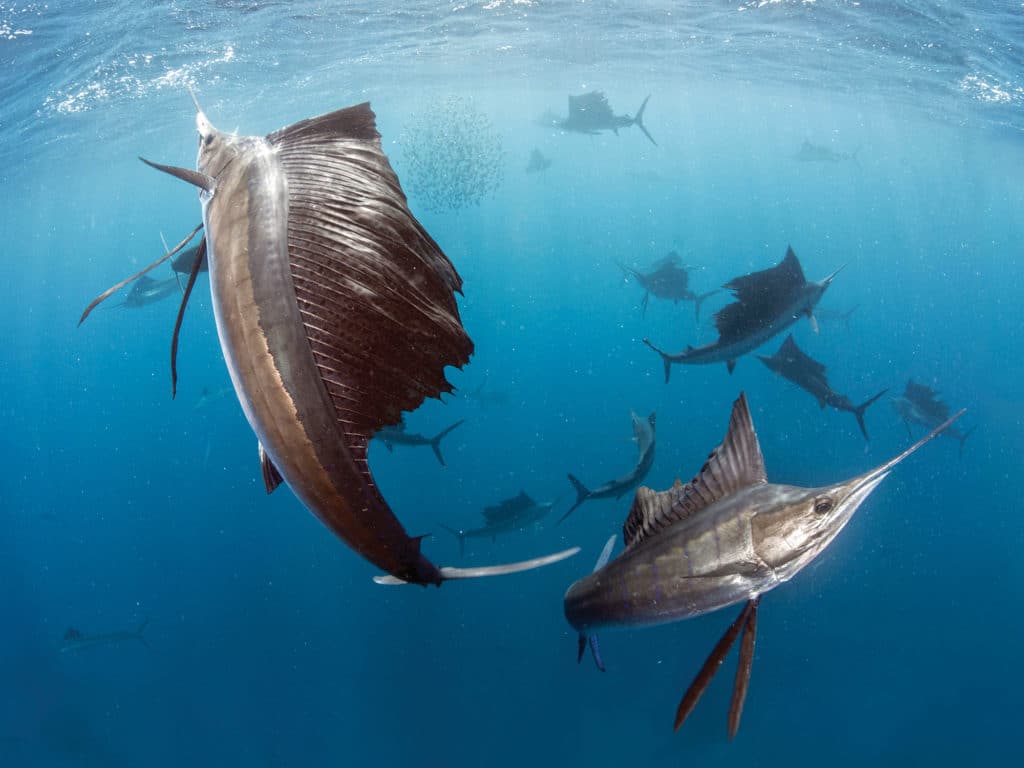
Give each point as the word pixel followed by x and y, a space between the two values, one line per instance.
pixel 268 644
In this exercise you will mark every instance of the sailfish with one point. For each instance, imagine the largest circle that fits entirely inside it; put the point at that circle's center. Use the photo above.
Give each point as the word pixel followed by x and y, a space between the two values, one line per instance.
pixel 336 311
pixel 726 537
pixel 794 364
pixel 767 303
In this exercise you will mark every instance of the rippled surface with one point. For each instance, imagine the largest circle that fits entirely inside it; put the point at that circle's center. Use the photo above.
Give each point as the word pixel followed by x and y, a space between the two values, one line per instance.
pixel 955 61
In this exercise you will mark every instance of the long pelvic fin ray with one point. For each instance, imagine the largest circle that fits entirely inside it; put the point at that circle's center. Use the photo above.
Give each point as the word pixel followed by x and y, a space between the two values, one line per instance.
pixel 115 288
pixel 714 661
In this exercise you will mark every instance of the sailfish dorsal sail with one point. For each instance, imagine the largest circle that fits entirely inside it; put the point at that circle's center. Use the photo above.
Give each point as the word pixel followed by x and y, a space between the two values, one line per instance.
pixel 735 464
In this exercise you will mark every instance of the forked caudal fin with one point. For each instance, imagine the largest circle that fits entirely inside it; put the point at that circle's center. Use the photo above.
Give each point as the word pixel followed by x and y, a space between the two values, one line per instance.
pixel 859 412
pixel 639 120
pixel 591 640
pixel 664 358
pixel 582 494
pixel 460 535
pixel 449 573
pixel 435 442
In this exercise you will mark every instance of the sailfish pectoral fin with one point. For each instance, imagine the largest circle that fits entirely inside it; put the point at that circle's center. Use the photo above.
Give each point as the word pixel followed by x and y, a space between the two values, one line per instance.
pixel 115 288
pixel 201 180
pixel 714 661
pixel 739 689
pixel 196 265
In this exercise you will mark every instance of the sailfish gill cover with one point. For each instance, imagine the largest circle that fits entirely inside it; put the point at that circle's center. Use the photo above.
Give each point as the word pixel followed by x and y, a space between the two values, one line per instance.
pixel 267 642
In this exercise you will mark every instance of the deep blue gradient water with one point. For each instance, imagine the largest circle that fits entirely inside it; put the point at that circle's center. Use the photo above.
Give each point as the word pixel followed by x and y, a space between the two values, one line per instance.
pixel 269 645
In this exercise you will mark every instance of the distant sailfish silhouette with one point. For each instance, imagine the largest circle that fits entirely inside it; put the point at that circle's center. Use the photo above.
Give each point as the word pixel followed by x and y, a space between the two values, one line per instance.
pixel 148 290
pixel 397 435
pixel 591 113
pixel 667 279
pixel 767 303
pixel 76 641
pixel 538 162
pixel 643 433
pixel 921 405
pixel 791 363
pixel 512 514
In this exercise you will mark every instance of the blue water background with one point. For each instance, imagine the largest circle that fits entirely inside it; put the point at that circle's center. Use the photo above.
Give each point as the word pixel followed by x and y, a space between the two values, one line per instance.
pixel 270 645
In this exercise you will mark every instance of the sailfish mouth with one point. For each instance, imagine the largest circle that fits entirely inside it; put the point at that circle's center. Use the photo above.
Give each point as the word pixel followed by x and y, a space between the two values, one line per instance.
pixel 828 279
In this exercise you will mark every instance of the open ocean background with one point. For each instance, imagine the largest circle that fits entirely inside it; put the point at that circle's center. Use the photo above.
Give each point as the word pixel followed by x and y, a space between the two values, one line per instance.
pixel 269 643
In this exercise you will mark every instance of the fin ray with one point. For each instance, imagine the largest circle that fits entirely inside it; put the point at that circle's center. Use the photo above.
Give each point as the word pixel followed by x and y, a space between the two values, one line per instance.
pixel 736 463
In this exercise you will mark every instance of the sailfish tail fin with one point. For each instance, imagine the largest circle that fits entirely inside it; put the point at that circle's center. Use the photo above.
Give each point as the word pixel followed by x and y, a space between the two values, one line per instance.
pixel 859 412
pixel 138 634
pixel 664 358
pixel 435 441
pixel 582 494
pixel 460 535
pixel 700 300
pixel 639 120
pixel 964 437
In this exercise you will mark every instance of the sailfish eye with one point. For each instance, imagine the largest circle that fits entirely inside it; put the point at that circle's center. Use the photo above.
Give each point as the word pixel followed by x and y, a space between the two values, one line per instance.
pixel 823 505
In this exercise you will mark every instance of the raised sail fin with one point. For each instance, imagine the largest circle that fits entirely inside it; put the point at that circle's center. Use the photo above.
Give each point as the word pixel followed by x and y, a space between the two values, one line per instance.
pixel 736 463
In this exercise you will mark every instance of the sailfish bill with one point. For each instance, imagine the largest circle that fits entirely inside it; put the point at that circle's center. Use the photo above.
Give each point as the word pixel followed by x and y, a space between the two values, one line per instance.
pixel 335 311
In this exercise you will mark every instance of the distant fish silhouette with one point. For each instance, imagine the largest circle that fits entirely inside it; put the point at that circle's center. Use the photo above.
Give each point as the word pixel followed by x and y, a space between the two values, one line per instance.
pixel 76 641
pixel 184 262
pixel 921 405
pixel 209 397
pixel 667 279
pixel 643 433
pixel 148 290
pixel 791 363
pixel 827 315
pixel 538 162
pixel 485 398
pixel 591 113
pixel 396 435
pixel 513 514
pixel 767 302
pixel 816 153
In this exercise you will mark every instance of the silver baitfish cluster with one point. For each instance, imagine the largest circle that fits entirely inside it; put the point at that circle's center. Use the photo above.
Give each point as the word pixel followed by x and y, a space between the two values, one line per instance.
pixel 452 156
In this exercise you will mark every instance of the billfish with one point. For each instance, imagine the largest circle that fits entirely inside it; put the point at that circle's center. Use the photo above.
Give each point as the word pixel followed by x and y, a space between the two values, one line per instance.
pixel 921 405
pixel 185 261
pixel 767 303
pixel 791 363
pixel 667 279
pixel 76 641
pixel 396 435
pixel 643 433
pixel 335 311
pixel 148 290
pixel 726 537
pixel 509 515
pixel 591 113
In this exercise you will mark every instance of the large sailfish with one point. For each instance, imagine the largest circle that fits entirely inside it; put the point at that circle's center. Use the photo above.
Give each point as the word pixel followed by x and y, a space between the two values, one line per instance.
pixel 335 310
pixel 726 537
